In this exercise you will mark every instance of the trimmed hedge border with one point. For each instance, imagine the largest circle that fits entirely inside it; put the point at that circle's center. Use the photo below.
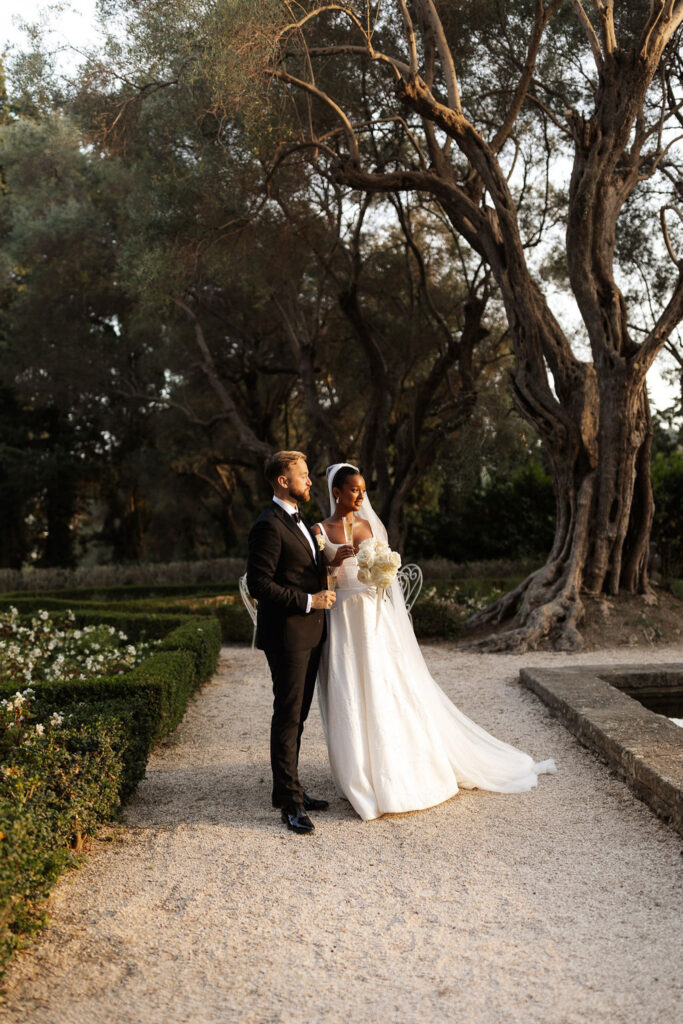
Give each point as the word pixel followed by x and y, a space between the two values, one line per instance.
pixel 111 725
pixel 234 621
pixel 430 618
pixel 134 592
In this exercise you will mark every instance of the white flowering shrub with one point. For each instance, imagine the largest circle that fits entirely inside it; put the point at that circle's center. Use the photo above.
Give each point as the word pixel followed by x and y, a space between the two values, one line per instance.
pixel 458 601
pixel 443 616
pixel 44 649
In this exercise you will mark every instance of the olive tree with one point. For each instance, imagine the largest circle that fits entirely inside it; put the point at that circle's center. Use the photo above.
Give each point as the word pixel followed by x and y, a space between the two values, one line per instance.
pixel 462 89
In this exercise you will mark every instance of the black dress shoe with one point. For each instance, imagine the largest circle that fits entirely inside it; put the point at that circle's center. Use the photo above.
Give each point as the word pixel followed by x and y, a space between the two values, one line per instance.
pixel 311 804
pixel 295 818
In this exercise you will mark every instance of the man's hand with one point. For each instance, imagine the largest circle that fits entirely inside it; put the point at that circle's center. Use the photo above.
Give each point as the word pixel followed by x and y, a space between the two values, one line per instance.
pixel 324 599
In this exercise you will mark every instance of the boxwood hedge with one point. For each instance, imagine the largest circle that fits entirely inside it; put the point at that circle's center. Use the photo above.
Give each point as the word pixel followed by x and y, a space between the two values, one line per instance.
pixel 146 618
pixel 54 793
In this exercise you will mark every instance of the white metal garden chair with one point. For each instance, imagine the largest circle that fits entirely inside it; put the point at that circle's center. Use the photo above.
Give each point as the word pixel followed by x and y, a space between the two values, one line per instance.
pixel 410 579
pixel 249 604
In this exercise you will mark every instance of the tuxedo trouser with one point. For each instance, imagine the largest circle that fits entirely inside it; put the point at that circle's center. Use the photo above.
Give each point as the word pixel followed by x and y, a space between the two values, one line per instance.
pixel 294 674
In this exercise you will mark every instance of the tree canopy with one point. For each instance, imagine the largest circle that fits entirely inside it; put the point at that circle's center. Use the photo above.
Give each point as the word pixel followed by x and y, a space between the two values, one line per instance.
pixel 331 225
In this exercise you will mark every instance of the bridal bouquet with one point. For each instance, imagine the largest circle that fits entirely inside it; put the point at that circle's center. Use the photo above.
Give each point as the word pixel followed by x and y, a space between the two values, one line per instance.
pixel 377 564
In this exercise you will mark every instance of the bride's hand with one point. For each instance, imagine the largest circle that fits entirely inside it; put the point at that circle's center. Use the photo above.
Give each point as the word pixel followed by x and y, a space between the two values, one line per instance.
pixel 343 552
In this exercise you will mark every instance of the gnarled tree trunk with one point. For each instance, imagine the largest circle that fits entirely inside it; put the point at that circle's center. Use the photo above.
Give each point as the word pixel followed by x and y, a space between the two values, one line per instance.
pixel 604 514
pixel 593 419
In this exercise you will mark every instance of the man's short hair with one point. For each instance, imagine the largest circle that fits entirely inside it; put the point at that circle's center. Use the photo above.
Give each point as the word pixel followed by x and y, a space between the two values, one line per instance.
pixel 278 465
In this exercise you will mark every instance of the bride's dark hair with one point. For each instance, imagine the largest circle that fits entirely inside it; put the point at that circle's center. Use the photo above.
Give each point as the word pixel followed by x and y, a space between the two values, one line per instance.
pixel 343 474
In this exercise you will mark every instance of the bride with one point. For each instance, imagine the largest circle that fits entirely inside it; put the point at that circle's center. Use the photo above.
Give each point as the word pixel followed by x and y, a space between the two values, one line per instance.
pixel 395 740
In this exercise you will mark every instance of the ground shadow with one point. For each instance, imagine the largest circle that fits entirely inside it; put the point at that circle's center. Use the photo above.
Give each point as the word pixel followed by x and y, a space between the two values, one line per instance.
pixel 220 794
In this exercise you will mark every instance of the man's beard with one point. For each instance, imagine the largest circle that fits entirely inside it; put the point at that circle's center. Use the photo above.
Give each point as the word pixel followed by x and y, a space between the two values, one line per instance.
pixel 300 496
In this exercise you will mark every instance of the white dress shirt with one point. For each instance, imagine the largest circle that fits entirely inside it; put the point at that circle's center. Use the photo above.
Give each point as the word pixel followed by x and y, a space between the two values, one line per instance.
pixel 291 510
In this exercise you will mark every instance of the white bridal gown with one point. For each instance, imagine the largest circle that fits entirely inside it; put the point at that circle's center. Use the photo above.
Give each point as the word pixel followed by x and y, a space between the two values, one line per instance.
pixel 396 742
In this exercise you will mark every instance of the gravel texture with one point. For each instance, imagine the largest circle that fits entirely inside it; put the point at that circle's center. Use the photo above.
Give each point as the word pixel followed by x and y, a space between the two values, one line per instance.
pixel 556 906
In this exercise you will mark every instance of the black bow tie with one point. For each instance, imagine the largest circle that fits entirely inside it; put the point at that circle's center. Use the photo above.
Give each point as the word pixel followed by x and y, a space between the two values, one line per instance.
pixel 297 517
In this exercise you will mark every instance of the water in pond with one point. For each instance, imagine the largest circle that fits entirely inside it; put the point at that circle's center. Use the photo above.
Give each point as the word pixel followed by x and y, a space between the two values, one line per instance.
pixel 664 700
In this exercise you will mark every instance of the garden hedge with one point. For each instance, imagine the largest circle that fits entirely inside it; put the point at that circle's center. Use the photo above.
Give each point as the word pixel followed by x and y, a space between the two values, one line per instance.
pixel 95 761
pixel 433 618
pixel 133 592
pixel 52 795
pixel 144 618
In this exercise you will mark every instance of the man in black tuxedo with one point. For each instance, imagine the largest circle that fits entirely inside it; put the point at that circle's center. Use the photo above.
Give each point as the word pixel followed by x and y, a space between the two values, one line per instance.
pixel 284 575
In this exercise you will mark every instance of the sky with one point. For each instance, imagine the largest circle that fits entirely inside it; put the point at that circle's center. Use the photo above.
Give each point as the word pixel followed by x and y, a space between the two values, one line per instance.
pixel 75 27
pixel 74 21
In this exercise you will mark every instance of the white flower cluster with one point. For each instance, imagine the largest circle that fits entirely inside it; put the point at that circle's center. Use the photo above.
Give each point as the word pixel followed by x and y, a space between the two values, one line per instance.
pixel 48 650
pixel 377 563
pixel 16 703
pixel 15 716
pixel 457 601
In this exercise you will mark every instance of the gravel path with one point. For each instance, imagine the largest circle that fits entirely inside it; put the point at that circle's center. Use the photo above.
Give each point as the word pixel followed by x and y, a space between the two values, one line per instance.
pixel 557 906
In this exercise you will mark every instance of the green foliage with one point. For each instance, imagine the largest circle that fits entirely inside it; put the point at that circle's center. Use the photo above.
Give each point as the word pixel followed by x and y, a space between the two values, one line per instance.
pixel 151 579
pixel 139 624
pixel 437 619
pixel 55 788
pixel 143 619
pixel 58 782
pixel 203 641
pixel 45 649
pixel 441 611
pixel 129 594
pixel 508 515
pixel 667 532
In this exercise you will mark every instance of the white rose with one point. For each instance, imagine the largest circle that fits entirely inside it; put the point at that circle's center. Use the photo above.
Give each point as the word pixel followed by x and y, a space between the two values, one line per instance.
pixel 321 541
pixel 364 576
pixel 395 559
pixel 365 556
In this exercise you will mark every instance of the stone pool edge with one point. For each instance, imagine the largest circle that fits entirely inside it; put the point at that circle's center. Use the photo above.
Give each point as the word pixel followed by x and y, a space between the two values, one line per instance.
pixel 645 748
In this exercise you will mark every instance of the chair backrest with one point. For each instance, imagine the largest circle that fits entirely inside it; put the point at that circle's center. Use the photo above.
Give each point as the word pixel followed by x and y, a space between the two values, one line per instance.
pixel 410 578
pixel 249 601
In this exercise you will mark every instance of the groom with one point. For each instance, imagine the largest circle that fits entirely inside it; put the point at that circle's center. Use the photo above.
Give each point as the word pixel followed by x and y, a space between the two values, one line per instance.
pixel 284 575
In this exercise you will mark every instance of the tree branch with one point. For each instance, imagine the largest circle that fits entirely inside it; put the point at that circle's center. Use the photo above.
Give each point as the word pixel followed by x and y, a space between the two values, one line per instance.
pixel 542 16
pixel 313 90
pixel 669 319
pixel 410 32
pixel 247 437
pixel 432 19
pixel 589 31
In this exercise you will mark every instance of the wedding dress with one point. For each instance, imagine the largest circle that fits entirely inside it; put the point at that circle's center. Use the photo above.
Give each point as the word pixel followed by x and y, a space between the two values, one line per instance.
pixel 396 742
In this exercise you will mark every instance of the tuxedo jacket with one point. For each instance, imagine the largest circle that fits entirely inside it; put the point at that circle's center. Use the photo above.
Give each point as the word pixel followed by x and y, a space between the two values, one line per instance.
pixel 281 572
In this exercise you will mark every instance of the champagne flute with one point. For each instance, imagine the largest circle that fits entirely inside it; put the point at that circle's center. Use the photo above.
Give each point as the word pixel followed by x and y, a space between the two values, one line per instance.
pixel 348 530
pixel 331 578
